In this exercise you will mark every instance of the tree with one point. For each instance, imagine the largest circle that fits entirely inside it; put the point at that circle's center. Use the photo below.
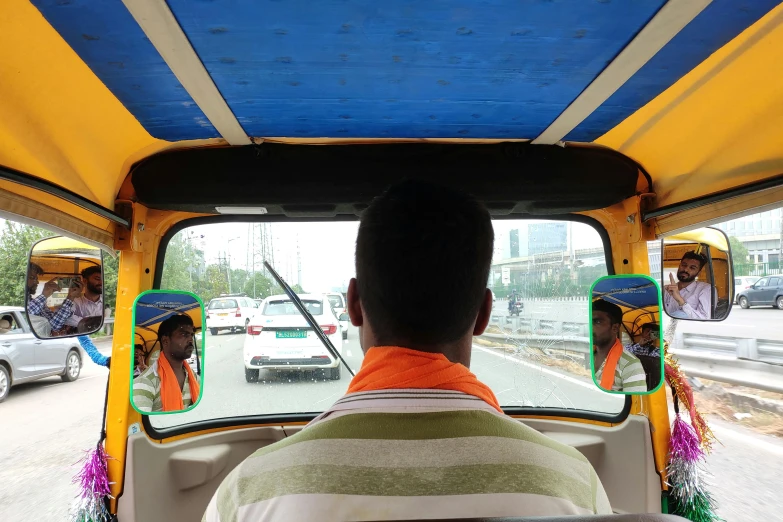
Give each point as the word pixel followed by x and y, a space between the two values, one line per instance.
pixel 263 286
pixel 739 257
pixel 182 266
pixel 111 267
pixel 15 244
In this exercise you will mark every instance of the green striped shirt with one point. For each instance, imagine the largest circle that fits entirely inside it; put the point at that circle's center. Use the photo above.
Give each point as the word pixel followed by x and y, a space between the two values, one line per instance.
pixel 629 374
pixel 146 389
pixel 398 454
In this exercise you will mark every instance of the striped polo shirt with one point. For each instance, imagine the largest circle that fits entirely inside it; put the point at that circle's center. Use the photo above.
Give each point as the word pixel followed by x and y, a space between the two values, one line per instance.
pixel 146 388
pixel 629 374
pixel 401 454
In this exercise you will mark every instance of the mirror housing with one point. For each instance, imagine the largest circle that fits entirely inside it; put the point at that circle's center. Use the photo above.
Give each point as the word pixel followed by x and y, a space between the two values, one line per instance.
pixel 697 275
pixel 168 338
pixel 626 346
pixel 64 288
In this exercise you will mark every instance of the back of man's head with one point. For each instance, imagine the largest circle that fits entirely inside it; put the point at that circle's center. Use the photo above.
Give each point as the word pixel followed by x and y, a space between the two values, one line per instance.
pixel 423 254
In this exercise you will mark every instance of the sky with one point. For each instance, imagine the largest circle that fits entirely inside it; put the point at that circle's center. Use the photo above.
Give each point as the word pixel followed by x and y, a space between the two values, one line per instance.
pixel 326 250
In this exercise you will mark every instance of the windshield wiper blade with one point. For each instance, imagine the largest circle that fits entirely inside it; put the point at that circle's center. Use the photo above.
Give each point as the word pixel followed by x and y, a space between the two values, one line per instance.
pixel 308 317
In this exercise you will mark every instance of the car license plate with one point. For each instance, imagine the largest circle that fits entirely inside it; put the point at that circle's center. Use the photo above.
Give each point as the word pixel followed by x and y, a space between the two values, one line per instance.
pixel 222 315
pixel 291 334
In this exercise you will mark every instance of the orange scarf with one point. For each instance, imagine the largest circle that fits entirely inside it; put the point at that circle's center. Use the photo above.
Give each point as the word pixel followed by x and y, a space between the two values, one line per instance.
pixel 170 393
pixel 610 365
pixel 392 367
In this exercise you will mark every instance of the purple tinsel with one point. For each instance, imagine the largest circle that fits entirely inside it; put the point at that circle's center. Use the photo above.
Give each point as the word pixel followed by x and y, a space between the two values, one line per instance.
pixel 93 480
pixel 689 497
pixel 684 442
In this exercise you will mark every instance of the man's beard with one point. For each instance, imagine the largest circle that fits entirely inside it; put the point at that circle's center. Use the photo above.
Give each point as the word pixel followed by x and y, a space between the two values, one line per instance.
pixel 683 277
pixel 95 289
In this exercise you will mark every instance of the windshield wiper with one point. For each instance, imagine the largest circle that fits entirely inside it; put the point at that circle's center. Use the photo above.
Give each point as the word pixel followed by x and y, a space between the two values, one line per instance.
pixel 308 317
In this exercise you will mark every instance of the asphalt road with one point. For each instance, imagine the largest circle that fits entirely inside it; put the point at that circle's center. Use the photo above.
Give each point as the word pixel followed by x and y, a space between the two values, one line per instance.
pixel 48 424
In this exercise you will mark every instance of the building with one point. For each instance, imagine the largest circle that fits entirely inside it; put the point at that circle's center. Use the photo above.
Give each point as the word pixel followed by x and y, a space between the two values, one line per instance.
pixel 760 233
pixel 547 237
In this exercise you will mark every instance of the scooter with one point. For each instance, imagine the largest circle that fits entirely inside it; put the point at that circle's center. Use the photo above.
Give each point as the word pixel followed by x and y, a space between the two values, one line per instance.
pixel 515 308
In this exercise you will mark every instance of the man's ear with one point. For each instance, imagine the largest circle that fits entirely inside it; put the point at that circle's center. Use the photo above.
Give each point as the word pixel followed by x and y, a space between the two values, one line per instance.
pixel 354 304
pixel 485 311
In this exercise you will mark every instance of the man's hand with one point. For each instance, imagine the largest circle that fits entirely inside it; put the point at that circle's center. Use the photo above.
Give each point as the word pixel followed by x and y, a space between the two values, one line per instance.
pixel 674 291
pixel 75 289
pixel 50 287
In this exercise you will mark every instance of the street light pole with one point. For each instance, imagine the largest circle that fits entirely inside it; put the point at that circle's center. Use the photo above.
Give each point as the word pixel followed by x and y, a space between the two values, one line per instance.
pixel 228 261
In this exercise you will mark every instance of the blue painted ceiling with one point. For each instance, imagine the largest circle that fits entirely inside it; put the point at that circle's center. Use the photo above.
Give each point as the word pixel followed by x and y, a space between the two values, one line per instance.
pixel 401 68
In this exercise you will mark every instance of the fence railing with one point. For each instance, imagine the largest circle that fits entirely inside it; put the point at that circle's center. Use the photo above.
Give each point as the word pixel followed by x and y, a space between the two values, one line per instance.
pixel 753 363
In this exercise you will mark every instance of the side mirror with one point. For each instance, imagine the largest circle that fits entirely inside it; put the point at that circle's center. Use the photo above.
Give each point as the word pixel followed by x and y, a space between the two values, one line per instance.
pixel 168 342
pixel 697 275
pixel 64 288
pixel 625 334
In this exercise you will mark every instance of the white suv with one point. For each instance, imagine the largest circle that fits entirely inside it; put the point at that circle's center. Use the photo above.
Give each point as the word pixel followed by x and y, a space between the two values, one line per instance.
pixel 279 338
pixel 230 313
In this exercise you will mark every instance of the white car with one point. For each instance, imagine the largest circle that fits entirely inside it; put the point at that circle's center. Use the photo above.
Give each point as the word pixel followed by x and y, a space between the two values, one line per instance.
pixel 345 323
pixel 230 313
pixel 337 302
pixel 742 283
pixel 279 338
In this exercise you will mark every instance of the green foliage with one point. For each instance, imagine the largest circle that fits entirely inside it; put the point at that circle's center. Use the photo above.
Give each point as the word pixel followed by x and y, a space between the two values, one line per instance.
pixel 739 253
pixel 15 244
pixel 263 286
pixel 111 267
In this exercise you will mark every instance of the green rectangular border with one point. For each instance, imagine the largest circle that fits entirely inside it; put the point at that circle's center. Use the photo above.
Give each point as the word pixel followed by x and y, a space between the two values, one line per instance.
pixel 660 331
pixel 202 380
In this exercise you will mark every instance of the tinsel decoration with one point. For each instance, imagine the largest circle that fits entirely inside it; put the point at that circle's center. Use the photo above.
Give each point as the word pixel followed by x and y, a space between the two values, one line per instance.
pixel 91 504
pixel 95 488
pixel 682 391
pixel 688 495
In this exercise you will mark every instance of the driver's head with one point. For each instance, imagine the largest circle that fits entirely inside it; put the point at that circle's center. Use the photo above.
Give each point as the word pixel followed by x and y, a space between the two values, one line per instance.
pixel 93 279
pixel 34 271
pixel 423 254
pixel 176 337
pixel 690 266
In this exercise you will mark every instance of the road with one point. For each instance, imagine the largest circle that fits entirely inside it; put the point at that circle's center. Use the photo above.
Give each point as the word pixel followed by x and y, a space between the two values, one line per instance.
pixel 48 424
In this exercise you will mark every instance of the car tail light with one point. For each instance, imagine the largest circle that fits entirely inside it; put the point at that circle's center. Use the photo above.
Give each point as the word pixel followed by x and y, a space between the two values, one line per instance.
pixel 320 357
pixel 239 313
pixel 329 329
pixel 254 329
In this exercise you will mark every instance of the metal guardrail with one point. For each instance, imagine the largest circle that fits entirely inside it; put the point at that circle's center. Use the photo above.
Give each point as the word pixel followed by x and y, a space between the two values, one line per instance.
pixel 753 363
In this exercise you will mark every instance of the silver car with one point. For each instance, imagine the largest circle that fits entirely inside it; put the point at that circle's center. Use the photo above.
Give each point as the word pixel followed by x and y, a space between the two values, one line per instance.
pixel 24 357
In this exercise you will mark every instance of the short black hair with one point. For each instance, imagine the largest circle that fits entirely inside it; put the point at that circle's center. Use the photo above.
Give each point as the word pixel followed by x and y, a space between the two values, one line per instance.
pixel 36 268
pixel 90 270
pixel 696 257
pixel 614 312
pixel 650 326
pixel 168 326
pixel 423 254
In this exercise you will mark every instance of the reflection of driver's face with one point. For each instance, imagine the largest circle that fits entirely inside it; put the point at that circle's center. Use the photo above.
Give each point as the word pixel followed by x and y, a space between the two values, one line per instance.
pixel 604 332
pixel 180 344
pixel 95 283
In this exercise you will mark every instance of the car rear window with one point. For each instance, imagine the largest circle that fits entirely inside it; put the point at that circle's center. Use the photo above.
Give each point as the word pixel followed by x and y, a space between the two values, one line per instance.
pixel 288 308
pixel 335 300
pixel 222 304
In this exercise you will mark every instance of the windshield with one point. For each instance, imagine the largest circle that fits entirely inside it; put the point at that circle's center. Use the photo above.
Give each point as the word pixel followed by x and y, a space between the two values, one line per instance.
pixel 222 304
pixel 533 354
pixel 288 308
